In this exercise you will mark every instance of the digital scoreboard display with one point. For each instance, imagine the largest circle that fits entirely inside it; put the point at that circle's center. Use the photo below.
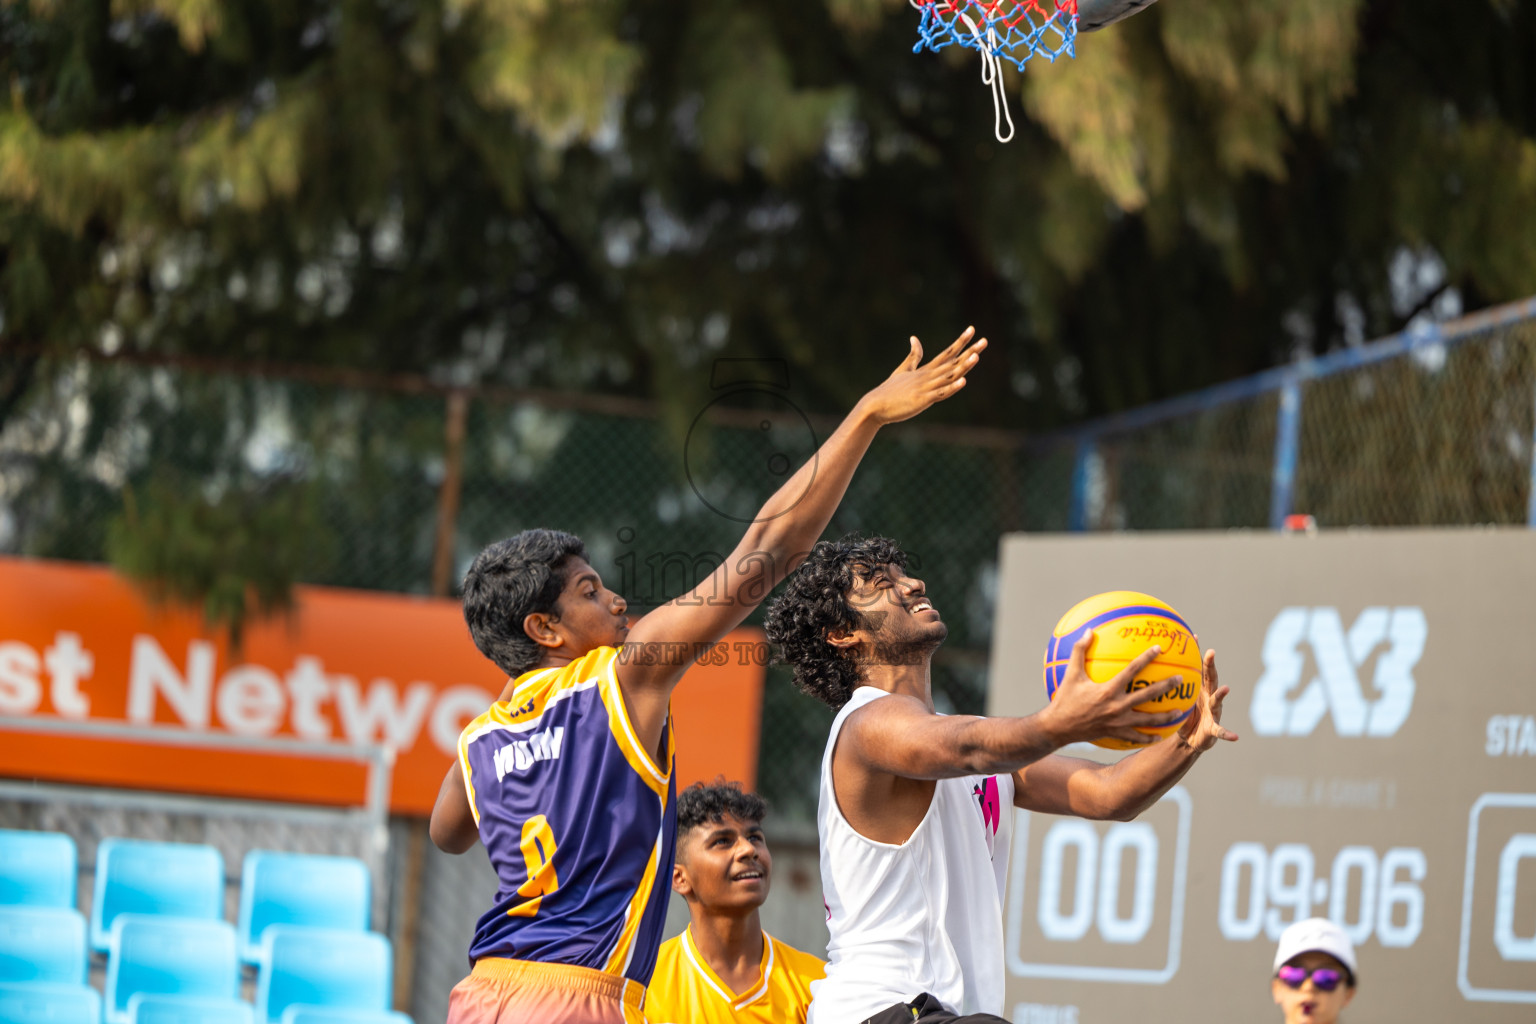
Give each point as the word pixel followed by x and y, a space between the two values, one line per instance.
pixel 1385 778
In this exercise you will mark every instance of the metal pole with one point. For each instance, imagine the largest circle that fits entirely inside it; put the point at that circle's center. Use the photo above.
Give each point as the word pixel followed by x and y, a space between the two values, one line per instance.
pixel 363 753
pixel 1077 511
pixel 381 767
pixel 1287 440
pixel 405 926
pixel 448 494
pixel 379 760
pixel 172 803
pixel 1530 515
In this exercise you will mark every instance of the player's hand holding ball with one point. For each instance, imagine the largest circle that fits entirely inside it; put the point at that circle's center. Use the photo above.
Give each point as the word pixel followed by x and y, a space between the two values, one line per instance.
pixel 1203 728
pixel 1083 710
pixel 1126 670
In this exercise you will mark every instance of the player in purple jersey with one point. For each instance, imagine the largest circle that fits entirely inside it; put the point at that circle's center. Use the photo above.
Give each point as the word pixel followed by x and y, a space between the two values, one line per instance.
pixel 567 779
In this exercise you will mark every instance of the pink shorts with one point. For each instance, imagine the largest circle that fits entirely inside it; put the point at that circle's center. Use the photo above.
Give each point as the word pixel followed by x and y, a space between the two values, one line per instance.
pixel 522 992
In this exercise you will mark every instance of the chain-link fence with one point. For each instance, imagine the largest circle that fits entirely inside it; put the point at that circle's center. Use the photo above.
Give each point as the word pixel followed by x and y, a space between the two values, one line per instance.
pixel 1431 427
pixel 1427 428
pixel 396 486
pixel 94 443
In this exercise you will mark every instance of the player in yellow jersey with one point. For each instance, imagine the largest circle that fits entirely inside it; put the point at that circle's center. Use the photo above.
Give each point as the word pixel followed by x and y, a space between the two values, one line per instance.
pixel 567 779
pixel 724 969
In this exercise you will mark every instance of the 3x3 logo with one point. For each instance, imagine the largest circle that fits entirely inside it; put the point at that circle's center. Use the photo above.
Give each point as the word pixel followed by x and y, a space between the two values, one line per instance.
pixel 1338 656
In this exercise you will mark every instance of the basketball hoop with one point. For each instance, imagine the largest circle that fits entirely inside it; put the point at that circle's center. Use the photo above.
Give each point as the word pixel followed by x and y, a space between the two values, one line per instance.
pixel 1000 30
pixel 1016 31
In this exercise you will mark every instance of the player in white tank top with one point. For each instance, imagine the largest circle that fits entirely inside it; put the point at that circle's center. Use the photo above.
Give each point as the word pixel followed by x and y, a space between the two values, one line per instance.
pixel 913 806
pixel 898 913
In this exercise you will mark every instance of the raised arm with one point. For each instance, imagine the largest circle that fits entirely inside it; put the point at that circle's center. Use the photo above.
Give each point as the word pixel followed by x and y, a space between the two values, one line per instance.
pixel 1121 791
pixel 452 826
pixel 899 736
pixel 783 531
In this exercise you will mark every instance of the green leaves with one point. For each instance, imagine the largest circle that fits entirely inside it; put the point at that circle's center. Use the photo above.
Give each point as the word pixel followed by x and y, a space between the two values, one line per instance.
pixel 195 20
pixel 1113 123
pixel 557 65
pixel 250 165
pixel 606 195
pixel 751 110
pixel 234 551
pixel 123 178
pixel 1486 182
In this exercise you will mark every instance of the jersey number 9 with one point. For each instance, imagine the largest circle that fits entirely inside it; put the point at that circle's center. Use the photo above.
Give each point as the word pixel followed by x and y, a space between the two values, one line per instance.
pixel 539 854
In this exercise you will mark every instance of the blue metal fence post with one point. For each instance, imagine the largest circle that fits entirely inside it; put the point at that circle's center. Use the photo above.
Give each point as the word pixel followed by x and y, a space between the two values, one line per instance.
pixel 1077 512
pixel 1530 515
pixel 1287 440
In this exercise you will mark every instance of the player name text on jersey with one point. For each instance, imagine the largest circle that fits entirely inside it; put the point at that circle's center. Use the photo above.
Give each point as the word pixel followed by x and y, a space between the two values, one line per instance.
pixel 520 755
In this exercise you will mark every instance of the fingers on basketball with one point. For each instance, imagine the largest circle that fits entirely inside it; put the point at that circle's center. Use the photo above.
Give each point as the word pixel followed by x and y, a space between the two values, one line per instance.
pixel 1134 734
pixel 1161 689
pixel 1077 661
pixel 1128 674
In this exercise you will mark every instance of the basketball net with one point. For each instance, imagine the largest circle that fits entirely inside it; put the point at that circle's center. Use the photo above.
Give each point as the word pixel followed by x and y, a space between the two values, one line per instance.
pixel 1011 30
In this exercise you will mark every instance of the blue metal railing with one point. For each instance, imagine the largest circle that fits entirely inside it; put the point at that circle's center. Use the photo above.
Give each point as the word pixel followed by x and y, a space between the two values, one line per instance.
pixel 1288 381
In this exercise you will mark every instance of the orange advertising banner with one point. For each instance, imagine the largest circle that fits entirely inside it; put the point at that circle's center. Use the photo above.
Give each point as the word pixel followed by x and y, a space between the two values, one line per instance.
pixel 80 643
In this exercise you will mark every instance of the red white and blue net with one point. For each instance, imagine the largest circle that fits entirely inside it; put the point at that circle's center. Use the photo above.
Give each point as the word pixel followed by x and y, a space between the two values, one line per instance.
pixel 1011 30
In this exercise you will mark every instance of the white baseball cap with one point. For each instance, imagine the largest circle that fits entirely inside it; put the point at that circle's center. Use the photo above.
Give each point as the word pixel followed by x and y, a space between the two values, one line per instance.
pixel 1315 934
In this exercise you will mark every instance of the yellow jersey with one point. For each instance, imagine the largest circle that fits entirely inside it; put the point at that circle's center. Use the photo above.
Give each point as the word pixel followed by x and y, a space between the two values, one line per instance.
pixel 683 990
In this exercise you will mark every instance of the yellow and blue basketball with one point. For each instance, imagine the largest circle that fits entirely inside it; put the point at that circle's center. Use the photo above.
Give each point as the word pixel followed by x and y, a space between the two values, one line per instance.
pixel 1125 624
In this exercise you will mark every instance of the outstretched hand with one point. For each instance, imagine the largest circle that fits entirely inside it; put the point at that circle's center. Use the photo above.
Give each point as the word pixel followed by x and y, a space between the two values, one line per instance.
pixel 914 387
pixel 1203 727
pixel 1082 709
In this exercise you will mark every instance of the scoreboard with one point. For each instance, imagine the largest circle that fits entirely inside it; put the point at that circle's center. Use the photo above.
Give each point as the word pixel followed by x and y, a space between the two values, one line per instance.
pixel 1385 778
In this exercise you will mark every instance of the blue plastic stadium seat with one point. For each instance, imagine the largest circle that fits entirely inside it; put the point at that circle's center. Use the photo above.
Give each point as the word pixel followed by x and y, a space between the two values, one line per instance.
pixel 330 1015
pixel 38 868
pixel 49 1004
pixel 42 944
pixel 173 879
pixel 156 1009
pixel 322 967
pixel 303 889
pixel 178 956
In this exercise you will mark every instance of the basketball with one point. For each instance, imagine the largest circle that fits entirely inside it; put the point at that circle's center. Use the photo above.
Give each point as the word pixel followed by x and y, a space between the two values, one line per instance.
pixel 1125 624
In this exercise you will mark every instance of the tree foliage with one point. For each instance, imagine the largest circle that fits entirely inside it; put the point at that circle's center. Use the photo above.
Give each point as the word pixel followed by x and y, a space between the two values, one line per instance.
pixel 607 195
pixel 602 194
pixel 235 553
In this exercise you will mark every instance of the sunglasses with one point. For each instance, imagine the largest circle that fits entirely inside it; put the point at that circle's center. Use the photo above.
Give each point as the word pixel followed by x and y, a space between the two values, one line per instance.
pixel 1325 978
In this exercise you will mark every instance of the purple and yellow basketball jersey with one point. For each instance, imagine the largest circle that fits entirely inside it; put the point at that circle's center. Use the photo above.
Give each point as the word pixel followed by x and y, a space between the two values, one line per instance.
pixel 579 821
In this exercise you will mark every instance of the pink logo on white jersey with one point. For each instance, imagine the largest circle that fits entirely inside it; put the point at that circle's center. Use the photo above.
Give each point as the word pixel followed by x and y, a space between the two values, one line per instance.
pixel 991 808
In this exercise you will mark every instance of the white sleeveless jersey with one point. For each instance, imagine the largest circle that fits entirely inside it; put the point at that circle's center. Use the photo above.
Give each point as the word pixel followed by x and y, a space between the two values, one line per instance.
pixel 924 916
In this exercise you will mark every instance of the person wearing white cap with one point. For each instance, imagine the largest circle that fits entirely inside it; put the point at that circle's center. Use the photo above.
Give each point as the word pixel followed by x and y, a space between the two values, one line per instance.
pixel 1314 972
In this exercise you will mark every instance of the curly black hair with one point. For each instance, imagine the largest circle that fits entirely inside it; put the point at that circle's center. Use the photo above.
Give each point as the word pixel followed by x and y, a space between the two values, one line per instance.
pixel 815 602
pixel 701 805
pixel 510 580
